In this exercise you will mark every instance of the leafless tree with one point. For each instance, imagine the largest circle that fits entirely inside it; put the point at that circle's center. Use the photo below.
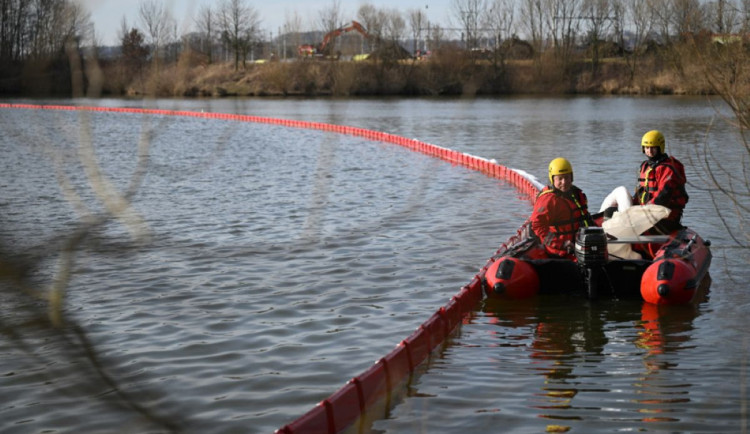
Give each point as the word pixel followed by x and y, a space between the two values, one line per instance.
pixel 45 307
pixel 501 22
pixel 599 14
pixel 564 23
pixel 13 21
pixel 688 17
pixel 662 19
pixel 53 23
pixel 725 16
pixel 726 68
pixel 292 22
pixel 75 22
pixel 42 18
pixel 329 18
pixel 374 20
pixel 239 24
pixel 369 16
pixel 533 15
pixel 395 26
pixel 469 14
pixel 417 24
pixel 436 35
pixel 677 18
pixel 206 22
pixel 501 18
pixel 639 17
pixel 158 25
pixel 124 29
pixel 619 21
pixel 291 30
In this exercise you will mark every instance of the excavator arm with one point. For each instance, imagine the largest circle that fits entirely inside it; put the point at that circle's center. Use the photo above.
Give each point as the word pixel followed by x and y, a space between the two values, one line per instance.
pixel 309 50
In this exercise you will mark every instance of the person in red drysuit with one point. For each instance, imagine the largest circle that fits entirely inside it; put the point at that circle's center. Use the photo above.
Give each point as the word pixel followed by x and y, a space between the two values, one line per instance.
pixel 661 181
pixel 560 209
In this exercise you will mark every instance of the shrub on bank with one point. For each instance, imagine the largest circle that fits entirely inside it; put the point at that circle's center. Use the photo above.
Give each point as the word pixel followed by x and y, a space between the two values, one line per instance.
pixel 448 72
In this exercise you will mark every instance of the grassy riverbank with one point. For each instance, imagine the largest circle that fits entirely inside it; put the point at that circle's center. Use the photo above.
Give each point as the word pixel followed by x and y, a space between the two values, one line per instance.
pixel 447 74
pixel 686 69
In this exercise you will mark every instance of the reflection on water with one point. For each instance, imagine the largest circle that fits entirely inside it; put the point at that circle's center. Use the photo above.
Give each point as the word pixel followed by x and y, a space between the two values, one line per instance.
pixel 563 364
pixel 666 332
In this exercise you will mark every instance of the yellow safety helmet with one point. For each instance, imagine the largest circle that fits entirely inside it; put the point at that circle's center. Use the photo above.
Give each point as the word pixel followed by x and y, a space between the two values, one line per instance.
pixel 559 166
pixel 652 139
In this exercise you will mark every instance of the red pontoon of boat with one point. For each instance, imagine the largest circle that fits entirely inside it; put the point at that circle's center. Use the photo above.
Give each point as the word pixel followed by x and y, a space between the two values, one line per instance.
pixel 614 260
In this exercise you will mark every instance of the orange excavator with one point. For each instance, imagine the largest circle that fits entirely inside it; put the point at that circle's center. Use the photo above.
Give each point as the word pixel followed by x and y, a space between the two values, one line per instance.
pixel 322 49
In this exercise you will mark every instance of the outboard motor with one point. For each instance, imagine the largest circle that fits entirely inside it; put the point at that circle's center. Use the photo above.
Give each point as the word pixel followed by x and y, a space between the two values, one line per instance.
pixel 591 254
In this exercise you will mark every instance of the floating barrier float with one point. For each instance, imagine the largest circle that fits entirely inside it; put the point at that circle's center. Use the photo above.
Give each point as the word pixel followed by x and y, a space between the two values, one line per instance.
pixel 359 400
pixel 523 182
pixel 363 397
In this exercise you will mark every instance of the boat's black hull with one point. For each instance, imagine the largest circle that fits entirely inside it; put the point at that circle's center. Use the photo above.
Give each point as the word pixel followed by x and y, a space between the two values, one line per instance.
pixel 619 279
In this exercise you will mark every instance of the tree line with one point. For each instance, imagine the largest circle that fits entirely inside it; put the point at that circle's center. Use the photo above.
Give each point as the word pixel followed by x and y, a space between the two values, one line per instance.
pixel 40 29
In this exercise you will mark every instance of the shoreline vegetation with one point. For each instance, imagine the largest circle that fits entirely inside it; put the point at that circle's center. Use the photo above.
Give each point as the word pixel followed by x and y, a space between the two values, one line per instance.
pixel 449 75
pixel 449 72
pixel 488 48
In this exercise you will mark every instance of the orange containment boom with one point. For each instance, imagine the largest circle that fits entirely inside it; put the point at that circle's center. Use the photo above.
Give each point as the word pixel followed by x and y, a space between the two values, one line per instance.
pixel 372 389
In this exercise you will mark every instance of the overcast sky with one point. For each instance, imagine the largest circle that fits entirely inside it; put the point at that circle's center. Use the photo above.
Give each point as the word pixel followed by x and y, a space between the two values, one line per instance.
pixel 107 15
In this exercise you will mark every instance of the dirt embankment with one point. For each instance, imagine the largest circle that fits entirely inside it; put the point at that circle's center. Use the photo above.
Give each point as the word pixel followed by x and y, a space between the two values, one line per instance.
pixel 455 76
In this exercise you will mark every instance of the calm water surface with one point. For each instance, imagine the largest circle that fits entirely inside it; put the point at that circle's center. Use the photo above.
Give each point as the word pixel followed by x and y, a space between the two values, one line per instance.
pixel 262 267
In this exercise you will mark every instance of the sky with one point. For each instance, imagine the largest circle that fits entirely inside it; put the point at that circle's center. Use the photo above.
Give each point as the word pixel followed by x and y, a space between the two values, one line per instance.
pixel 107 15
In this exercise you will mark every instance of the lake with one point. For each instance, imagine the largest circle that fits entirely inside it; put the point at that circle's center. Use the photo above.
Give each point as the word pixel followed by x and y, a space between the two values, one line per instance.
pixel 257 268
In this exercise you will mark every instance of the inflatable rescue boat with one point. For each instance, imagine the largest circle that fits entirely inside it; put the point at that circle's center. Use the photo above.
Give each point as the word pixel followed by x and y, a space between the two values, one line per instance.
pixel 614 260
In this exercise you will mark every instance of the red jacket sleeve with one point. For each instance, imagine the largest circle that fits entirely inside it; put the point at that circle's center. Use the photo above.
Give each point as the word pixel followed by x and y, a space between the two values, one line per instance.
pixel 540 217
